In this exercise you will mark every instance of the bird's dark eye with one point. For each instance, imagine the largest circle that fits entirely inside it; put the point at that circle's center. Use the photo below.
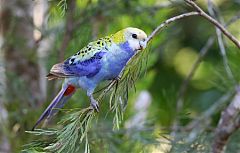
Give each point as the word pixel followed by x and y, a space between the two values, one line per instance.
pixel 134 36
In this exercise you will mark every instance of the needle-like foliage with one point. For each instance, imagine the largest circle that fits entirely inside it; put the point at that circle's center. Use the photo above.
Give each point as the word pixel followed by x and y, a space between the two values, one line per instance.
pixel 73 134
pixel 62 4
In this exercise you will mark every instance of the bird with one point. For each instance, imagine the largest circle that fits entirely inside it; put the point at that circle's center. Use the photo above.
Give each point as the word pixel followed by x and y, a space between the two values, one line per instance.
pixel 101 60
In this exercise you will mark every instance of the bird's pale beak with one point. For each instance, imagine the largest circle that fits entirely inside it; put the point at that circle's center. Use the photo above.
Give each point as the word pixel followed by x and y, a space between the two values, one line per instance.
pixel 143 44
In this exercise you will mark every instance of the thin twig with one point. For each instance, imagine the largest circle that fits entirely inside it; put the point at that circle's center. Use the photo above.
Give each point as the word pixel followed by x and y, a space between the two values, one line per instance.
pixel 215 22
pixel 203 51
pixel 228 70
pixel 201 55
pixel 168 21
pixel 227 123
pixel 107 89
pixel 233 19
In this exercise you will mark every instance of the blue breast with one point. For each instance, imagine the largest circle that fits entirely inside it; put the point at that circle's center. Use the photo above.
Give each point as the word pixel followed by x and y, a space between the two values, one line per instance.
pixel 117 60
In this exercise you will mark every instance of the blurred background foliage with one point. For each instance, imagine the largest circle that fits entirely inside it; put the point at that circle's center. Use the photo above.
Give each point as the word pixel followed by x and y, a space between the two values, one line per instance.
pixel 69 25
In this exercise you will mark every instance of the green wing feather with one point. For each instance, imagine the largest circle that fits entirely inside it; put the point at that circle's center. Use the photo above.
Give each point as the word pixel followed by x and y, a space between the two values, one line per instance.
pixel 91 49
pixel 84 54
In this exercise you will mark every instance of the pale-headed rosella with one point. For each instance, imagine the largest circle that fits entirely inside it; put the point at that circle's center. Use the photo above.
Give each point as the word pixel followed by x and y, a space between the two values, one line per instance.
pixel 103 59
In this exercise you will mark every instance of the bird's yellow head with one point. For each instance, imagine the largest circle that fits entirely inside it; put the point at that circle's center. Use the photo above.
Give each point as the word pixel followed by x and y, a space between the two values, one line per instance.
pixel 134 36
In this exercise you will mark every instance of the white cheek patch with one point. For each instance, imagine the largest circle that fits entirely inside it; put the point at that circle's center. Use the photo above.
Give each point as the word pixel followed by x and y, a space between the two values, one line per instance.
pixel 134 44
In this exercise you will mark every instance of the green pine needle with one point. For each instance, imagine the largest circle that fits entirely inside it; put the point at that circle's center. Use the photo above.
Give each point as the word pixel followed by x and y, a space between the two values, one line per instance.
pixel 62 7
pixel 75 125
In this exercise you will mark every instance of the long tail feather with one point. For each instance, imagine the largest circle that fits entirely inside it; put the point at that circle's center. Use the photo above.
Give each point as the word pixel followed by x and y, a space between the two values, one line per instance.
pixel 58 102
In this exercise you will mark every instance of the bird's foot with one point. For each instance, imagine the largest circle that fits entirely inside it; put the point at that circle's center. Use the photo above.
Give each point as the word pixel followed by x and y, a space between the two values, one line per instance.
pixel 94 105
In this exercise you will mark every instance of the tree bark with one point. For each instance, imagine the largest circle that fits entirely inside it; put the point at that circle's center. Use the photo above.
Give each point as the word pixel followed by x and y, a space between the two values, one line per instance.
pixel 4 142
pixel 228 124
pixel 20 49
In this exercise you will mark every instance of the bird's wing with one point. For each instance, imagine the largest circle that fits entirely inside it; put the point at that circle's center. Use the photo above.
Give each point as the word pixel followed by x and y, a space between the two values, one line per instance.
pixel 86 62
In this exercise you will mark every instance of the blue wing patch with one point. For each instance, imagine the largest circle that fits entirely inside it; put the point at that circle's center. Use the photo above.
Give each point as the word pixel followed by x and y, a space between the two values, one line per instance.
pixel 89 67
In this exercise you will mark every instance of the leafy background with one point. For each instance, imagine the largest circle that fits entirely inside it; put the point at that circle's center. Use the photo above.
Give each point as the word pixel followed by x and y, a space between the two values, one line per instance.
pixel 171 55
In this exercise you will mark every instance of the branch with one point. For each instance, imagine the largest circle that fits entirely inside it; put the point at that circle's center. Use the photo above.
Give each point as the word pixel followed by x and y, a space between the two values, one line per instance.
pixel 222 100
pixel 168 21
pixel 201 55
pixel 203 51
pixel 215 22
pixel 228 124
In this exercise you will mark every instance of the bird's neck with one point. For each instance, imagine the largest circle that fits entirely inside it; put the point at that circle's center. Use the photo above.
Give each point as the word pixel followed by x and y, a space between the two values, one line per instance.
pixel 118 37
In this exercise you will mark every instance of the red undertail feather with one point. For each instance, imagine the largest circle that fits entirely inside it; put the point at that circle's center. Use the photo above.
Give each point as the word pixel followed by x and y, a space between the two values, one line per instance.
pixel 70 89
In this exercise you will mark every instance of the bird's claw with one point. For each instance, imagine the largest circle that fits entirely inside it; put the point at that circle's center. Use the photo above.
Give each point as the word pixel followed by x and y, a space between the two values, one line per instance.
pixel 94 105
